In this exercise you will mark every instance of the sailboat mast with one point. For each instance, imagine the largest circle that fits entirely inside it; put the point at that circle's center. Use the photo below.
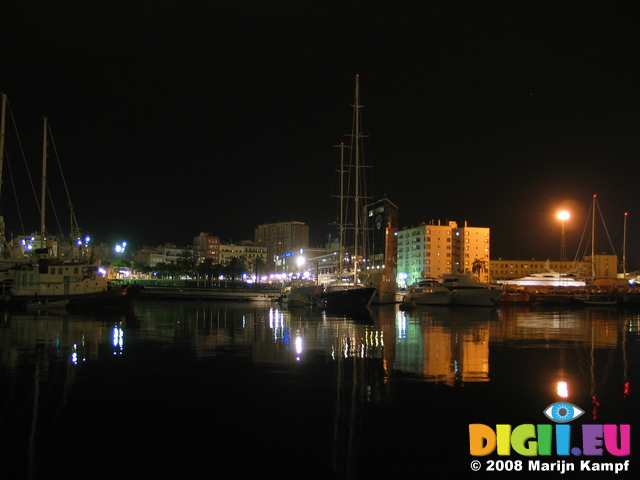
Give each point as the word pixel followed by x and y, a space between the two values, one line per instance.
pixel 44 182
pixel 624 246
pixel 341 218
pixel 2 128
pixel 356 224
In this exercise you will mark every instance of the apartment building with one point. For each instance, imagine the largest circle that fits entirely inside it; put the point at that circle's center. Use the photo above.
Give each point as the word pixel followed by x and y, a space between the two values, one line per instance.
pixel 281 239
pixel 431 250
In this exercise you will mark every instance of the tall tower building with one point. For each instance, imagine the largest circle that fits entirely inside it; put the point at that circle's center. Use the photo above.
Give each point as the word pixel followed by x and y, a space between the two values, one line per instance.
pixel 382 245
pixel 281 239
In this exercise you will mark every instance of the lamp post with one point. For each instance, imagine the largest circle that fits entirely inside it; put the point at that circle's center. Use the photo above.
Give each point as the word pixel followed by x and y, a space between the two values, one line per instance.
pixel 563 216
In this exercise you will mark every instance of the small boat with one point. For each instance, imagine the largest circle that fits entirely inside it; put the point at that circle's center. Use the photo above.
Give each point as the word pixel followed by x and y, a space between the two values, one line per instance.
pixel 46 303
pixel 407 305
pixel 301 295
pixel 468 290
pixel 513 298
pixel 596 300
pixel 429 292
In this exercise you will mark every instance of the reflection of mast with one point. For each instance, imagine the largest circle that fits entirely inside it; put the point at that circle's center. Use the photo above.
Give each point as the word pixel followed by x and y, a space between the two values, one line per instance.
pixel 625 384
pixel 594 399
pixel 593 239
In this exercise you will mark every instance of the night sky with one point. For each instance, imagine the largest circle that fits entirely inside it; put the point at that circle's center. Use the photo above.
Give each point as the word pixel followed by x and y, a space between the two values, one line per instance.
pixel 171 118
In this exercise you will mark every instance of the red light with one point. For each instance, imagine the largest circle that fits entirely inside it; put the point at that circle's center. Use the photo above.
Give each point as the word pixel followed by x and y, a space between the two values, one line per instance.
pixel 596 404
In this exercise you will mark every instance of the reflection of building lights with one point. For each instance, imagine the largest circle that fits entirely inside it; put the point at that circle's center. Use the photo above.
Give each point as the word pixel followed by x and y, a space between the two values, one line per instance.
pixel 118 340
pixel 401 325
pixel 74 358
pixel 298 346
pixel 563 389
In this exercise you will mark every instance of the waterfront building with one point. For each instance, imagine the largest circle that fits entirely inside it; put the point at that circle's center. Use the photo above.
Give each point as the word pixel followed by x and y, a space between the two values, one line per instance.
pixel 431 250
pixel 602 266
pixel 254 256
pixel 283 238
pixel 152 256
pixel 207 246
pixel 247 251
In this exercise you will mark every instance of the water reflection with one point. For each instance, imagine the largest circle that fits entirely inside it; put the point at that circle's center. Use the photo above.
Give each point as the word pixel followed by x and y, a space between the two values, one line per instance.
pixel 354 385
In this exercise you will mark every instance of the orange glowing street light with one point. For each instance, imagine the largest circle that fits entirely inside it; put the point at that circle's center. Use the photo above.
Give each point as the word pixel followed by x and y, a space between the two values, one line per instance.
pixel 563 216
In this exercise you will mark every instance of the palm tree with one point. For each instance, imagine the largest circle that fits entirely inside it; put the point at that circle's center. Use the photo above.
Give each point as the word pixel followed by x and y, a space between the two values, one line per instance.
pixel 208 269
pixel 173 269
pixel 258 263
pixel 162 269
pixel 479 266
pixel 235 268
pixel 186 262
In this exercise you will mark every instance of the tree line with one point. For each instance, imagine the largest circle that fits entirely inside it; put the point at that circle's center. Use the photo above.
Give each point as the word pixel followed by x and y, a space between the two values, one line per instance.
pixel 187 264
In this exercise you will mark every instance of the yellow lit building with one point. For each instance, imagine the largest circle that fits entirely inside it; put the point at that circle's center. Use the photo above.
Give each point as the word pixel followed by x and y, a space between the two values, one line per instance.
pixel 431 250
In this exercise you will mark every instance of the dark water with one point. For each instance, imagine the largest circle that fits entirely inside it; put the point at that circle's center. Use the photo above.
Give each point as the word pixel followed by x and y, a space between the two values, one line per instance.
pixel 237 390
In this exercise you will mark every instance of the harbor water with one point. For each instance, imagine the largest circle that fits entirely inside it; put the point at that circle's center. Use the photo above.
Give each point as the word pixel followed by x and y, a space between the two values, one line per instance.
pixel 206 389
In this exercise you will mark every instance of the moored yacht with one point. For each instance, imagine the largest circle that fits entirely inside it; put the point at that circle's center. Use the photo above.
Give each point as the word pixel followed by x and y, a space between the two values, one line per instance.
pixel 468 290
pixel 79 283
pixel 429 292
pixel 301 295
pixel 346 295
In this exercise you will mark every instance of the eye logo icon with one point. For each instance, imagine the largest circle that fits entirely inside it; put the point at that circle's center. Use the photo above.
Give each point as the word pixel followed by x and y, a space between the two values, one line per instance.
pixel 562 412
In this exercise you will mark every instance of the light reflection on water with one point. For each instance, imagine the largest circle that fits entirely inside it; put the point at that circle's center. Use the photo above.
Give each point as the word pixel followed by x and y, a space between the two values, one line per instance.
pixel 352 385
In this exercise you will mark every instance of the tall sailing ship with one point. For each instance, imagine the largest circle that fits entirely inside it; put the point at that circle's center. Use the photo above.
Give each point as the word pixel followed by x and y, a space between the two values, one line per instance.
pixel 350 288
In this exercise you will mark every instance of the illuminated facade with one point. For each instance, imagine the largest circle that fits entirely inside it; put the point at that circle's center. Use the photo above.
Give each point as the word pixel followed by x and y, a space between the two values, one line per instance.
pixel 431 250
pixel 253 255
pixel 207 246
pixel 281 239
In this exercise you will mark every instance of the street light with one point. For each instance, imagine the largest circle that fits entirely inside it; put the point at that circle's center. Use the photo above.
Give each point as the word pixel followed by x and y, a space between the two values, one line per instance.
pixel 563 216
